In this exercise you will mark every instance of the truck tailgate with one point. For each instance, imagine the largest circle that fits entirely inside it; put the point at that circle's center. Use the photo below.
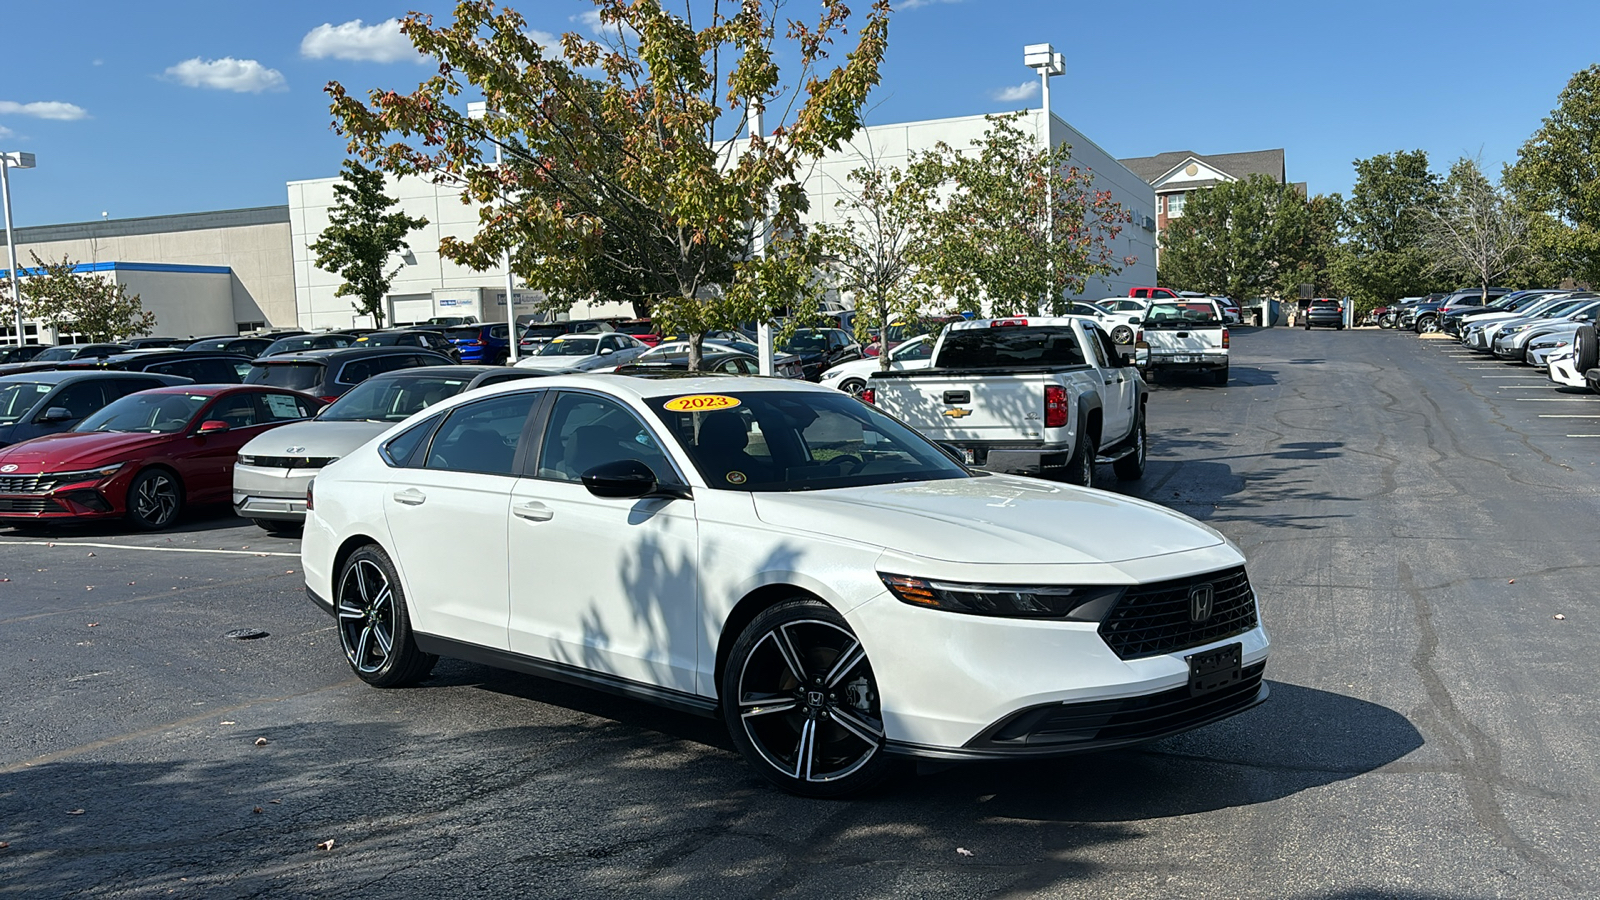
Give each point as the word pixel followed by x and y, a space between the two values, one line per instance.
pixel 1183 340
pixel 961 407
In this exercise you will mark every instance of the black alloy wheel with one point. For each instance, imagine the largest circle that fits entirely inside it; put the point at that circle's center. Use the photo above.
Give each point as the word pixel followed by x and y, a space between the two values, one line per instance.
pixel 374 627
pixel 154 499
pixel 1131 467
pixel 802 704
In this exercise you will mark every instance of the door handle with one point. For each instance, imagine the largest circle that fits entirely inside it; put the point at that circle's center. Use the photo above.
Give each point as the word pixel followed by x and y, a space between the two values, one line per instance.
pixel 410 497
pixel 533 512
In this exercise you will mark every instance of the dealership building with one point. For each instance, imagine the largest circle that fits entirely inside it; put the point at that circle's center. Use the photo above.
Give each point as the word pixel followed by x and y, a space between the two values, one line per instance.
pixel 245 269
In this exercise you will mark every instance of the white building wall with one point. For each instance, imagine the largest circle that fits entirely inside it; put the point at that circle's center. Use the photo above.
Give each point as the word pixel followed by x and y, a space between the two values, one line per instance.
pixel 827 182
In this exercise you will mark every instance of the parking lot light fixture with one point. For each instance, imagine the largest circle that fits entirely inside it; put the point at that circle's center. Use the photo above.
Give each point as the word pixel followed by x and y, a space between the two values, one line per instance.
pixel 1044 59
pixel 9 161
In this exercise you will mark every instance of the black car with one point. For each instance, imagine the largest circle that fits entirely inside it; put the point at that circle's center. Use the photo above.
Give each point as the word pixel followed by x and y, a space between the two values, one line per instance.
pixel 249 346
pixel 821 348
pixel 15 354
pixel 198 366
pixel 711 363
pixel 40 403
pixel 426 338
pixel 299 343
pixel 1324 311
pixel 157 343
pixel 326 374
pixel 1429 316
pixel 51 357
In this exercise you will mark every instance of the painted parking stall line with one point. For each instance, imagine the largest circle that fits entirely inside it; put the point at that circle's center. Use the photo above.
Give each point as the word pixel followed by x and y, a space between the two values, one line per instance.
pixel 154 549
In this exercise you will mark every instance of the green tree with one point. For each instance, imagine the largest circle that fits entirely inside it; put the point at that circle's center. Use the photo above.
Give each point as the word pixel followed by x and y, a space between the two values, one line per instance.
pixel 1246 239
pixel 985 235
pixel 92 305
pixel 361 235
pixel 875 248
pixel 1474 229
pixel 1384 229
pixel 1557 176
pixel 650 150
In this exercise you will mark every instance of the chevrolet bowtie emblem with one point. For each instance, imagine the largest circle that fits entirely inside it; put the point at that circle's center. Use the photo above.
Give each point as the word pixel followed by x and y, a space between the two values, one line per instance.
pixel 958 413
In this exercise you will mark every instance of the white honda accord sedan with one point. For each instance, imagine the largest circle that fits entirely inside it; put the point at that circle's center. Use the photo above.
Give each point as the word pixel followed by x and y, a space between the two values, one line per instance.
pixel 838 589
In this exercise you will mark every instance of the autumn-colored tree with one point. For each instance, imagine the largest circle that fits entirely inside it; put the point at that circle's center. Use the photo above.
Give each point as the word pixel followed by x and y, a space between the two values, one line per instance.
pixel 639 135
pixel 986 235
pixel 91 305
pixel 363 232
pixel 875 249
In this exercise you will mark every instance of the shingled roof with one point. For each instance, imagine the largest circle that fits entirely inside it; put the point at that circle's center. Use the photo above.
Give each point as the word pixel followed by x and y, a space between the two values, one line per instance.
pixel 1239 165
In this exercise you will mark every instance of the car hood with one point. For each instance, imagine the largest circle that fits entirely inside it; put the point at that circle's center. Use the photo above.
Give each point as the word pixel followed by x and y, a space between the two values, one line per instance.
pixel 993 519
pixel 86 450
pixel 315 438
pixel 556 362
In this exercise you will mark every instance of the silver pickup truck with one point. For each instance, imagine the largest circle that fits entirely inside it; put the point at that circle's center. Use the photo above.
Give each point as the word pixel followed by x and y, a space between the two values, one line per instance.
pixel 1025 395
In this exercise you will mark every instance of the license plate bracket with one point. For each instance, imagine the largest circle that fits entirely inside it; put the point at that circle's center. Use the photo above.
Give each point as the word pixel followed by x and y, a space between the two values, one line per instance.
pixel 1183 359
pixel 968 456
pixel 1215 669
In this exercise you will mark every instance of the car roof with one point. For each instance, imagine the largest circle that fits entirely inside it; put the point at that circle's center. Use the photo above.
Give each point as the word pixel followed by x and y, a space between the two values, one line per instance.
pixel 57 376
pixel 336 354
pixel 216 390
pixel 646 389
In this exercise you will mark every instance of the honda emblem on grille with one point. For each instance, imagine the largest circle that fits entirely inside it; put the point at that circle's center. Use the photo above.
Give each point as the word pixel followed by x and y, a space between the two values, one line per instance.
pixel 8 467
pixel 1200 597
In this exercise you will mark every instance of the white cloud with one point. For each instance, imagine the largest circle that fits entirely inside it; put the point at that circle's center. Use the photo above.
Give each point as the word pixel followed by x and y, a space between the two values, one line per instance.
pixel 914 4
pixel 544 38
pixel 352 40
pixel 590 20
pixel 47 109
pixel 1024 91
pixel 227 74
pixel 5 132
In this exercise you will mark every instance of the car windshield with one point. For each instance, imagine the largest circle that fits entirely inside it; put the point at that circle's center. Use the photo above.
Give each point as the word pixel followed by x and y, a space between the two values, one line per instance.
pixel 158 413
pixel 545 331
pixel 211 345
pixel 805 341
pixel 1561 309
pixel 391 399
pixel 17 397
pixel 296 376
pixel 1182 314
pixel 303 342
pixel 57 354
pixel 798 441
pixel 569 346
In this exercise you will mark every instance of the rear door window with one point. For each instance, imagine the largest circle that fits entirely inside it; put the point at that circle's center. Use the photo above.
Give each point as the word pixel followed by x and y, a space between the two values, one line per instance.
pixel 80 399
pixel 483 436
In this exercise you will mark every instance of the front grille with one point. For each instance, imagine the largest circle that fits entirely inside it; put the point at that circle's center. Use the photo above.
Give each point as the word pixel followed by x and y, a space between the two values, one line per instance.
pixel 1153 619
pixel 29 505
pixel 1121 721
pixel 22 484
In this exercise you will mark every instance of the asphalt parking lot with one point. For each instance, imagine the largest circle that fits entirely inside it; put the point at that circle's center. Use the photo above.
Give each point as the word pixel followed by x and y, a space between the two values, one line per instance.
pixel 1416 518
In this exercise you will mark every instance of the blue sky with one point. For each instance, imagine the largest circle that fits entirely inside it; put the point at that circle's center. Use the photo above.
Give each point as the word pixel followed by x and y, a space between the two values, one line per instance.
pixel 167 106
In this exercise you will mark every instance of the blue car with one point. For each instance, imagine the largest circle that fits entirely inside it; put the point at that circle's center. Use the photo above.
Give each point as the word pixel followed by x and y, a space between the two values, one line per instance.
pixel 485 344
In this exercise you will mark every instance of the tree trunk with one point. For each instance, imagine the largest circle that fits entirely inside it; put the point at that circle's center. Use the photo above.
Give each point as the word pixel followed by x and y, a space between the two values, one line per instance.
pixel 696 350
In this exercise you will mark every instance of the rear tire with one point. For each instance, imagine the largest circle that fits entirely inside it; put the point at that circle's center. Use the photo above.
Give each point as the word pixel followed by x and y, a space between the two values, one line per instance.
pixel 373 623
pixel 1585 349
pixel 1219 376
pixel 1080 468
pixel 1131 467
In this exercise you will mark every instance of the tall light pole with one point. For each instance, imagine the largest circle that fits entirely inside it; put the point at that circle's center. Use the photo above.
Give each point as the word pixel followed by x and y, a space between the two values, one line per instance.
pixel 758 247
pixel 9 161
pixel 1048 63
pixel 482 111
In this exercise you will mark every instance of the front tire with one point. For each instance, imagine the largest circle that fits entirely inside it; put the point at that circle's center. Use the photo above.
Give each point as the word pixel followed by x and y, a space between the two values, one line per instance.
pixel 1122 334
pixel 374 626
pixel 154 499
pixel 1131 467
pixel 802 704
pixel 853 386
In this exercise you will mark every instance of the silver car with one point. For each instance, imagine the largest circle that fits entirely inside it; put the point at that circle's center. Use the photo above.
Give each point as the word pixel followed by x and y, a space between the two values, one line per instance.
pixel 275 469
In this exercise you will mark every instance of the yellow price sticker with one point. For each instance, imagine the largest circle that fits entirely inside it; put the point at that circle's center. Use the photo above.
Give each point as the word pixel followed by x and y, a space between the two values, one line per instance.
pixel 701 403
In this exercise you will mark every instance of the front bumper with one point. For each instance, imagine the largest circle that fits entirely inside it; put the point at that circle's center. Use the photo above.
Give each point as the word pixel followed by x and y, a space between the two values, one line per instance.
pixel 975 687
pixel 66 501
pixel 275 494
pixel 1563 369
pixel 1015 460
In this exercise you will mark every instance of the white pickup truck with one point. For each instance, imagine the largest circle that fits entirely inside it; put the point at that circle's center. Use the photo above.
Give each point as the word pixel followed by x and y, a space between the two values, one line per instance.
pixel 1186 335
pixel 1027 396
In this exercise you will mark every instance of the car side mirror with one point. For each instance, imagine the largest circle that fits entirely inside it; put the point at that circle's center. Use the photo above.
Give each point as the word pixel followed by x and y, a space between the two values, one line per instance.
pixel 620 479
pixel 57 414
pixel 213 426
pixel 606 351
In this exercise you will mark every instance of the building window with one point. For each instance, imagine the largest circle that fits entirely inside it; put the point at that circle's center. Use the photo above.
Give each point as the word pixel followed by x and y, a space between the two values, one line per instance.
pixel 1175 206
pixel 247 327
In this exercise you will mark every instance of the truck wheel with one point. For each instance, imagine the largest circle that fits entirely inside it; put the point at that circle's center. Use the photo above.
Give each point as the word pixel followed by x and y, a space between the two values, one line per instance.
pixel 1585 349
pixel 1080 468
pixel 1219 376
pixel 1131 467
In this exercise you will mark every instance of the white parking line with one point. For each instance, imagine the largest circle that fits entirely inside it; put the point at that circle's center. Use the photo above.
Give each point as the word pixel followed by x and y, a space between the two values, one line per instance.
pixel 1583 435
pixel 1557 399
pixel 1567 416
pixel 157 549
pixel 1518 375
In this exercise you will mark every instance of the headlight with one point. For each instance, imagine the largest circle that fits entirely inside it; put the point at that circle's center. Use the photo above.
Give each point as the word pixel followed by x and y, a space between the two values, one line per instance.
pixel 1078 603
pixel 99 474
pixel 831 374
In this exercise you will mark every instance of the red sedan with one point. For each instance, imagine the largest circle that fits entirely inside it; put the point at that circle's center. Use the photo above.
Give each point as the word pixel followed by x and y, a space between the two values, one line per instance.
pixel 144 457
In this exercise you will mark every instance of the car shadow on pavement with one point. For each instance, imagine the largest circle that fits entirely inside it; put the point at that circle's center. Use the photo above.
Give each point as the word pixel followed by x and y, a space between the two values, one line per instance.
pixel 195 520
